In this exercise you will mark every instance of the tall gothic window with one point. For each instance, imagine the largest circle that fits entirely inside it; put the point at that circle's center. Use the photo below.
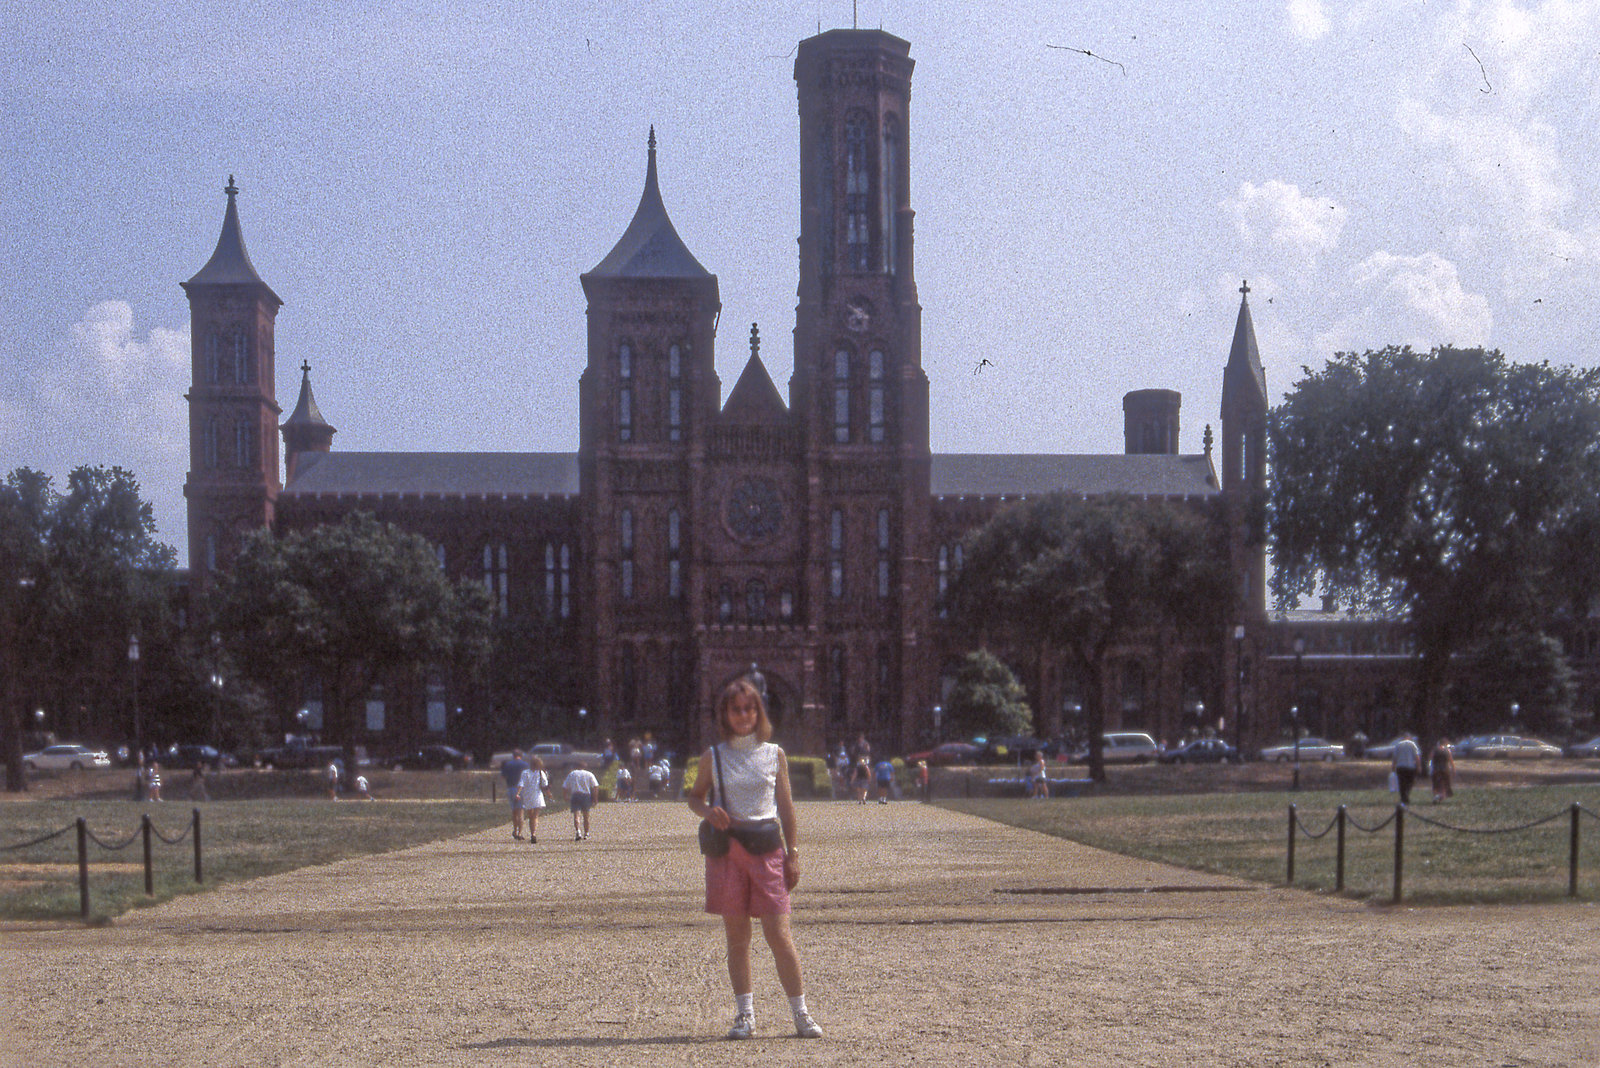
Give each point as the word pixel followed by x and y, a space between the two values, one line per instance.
pixel 241 444
pixel 857 193
pixel 755 601
pixel 674 558
pixel 724 603
pixel 241 356
pixel 883 554
pixel 825 181
pixel 213 361
pixel 626 532
pixel 208 442
pixel 549 579
pixel 944 582
pixel 496 576
pixel 566 582
pixel 841 395
pixel 836 552
pixel 625 393
pixel 891 191
pixel 875 376
pixel 674 393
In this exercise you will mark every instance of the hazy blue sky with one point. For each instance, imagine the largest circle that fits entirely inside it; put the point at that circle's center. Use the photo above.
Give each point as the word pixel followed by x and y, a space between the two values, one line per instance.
pixel 422 183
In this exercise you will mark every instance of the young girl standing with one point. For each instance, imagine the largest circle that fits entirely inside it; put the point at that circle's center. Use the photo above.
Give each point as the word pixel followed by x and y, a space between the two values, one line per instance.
pixel 743 884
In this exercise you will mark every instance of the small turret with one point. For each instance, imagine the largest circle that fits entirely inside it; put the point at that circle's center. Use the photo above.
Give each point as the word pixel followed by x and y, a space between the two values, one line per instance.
pixel 305 430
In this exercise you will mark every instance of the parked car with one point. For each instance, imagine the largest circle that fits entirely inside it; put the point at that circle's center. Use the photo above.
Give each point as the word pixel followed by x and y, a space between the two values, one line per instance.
pixel 1505 747
pixel 1591 748
pixel 557 756
pixel 1010 749
pixel 430 758
pixel 187 756
pixel 66 758
pixel 309 756
pixel 1202 751
pixel 1122 747
pixel 948 753
pixel 1311 748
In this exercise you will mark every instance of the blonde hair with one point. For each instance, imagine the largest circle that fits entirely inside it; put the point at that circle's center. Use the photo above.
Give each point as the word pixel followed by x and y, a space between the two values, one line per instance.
pixel 733 692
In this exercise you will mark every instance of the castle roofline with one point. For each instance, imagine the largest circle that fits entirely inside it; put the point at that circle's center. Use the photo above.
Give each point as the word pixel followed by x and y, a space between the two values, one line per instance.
pixel 230 264
pixel 650 247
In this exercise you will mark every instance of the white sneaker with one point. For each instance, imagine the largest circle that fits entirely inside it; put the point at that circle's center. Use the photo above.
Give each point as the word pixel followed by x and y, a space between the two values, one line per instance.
pixel 744 1026
pixel 806 1027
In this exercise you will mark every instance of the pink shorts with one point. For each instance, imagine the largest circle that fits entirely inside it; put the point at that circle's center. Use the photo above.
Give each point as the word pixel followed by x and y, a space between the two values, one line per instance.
pixel 739 884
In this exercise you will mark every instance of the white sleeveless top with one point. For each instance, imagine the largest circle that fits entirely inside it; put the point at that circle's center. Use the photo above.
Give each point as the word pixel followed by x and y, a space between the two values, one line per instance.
pixel 750 771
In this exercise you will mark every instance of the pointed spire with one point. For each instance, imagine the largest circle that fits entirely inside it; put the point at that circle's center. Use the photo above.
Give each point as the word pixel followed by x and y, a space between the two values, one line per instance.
pixel 230 264
pixel 755 342
pixel 1244 357
pixel 650 247
pixel 306 413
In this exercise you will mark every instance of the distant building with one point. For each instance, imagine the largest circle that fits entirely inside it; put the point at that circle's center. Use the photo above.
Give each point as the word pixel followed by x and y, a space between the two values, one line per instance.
pixel 685 539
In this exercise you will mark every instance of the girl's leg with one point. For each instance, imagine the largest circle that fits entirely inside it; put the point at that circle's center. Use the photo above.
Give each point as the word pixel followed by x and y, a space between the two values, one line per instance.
pixel 533 822
pixel 781 941
pixel 738 931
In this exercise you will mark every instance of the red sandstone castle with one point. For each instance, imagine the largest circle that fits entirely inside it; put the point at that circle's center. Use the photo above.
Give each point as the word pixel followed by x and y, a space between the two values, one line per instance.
pixel 686 540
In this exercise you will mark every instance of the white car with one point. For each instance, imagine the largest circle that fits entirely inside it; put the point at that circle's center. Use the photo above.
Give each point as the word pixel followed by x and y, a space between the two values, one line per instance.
pixel 1311 748
pixel 66 758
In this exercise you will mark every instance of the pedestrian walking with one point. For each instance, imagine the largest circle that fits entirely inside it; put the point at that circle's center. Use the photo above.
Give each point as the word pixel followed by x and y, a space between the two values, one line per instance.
pixel 1407 762
pixel 531 790
pixel 511 771
pixel 1443 768
pixel 754 878
pixel 582 788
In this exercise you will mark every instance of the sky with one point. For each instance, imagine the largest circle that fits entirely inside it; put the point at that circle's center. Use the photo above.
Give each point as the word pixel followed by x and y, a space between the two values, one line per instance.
pixel 422 182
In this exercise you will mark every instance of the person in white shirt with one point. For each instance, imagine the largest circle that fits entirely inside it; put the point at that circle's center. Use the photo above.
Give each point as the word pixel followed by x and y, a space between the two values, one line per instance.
pixel 582 788
pixel 1407 762
pixel 530 795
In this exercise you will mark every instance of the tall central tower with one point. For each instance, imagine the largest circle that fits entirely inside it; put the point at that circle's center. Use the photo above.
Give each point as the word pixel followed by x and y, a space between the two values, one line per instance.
pixel 859 393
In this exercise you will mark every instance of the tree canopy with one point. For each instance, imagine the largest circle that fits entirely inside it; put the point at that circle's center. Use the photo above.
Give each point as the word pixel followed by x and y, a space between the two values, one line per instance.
pixel 1086 576
pixel 1439 488
pixel 353 603
pixel 987 699
pixel 80 572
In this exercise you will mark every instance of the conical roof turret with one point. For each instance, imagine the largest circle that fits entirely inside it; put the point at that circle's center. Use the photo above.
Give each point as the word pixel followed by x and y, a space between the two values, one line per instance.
pixel 754 398
pixel 1244 380
pixel 650 247
pixel 306 413
pixel 230 264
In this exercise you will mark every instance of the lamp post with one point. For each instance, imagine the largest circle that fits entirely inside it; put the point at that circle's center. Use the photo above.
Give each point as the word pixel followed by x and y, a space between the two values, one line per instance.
pixel 1294 708
pixel 133 664
pixel 938 719
pixel 583 720
pixel 758 680
pixel 1238 689
pixel 1515 708
pixel 216 690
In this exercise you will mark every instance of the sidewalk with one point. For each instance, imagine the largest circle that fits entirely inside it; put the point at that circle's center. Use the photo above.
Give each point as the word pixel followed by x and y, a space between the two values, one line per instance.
pixel 484 951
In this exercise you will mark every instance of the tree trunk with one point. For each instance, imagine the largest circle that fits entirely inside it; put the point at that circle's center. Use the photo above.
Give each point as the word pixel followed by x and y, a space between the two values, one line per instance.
pixel 1094 708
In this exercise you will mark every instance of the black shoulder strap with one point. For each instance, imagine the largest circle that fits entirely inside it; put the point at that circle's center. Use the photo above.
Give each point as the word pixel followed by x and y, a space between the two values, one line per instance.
pixel 722 789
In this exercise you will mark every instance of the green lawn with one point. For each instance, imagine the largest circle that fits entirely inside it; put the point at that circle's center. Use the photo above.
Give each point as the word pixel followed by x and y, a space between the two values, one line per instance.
pixel 1246 835
pixel 240 840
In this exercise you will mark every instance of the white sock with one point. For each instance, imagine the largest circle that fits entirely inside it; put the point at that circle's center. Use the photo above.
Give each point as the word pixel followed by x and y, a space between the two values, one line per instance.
pixel 744 1004
pixel 797 1005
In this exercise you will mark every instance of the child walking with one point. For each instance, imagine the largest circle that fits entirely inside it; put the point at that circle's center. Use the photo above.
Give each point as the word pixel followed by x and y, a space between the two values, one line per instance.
pixel 751 880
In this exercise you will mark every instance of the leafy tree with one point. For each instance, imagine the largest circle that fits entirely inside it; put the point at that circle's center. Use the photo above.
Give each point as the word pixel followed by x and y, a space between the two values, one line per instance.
pixel 355 602
pixel 1088 576
pixel 987 699
pixel 79 572
pixel 1512 668
pixel 1435 488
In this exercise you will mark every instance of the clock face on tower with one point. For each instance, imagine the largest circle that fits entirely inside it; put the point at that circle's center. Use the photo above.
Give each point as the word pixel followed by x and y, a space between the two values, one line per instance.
pixel 753 509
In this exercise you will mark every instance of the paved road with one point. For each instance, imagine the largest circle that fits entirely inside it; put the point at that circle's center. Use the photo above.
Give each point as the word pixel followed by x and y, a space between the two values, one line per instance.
pixel 918 950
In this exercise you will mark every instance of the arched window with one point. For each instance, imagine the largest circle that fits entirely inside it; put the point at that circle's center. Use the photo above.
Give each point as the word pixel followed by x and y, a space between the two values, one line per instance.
pixel 625 532
pixel 566 582
pixel 944 582
pixel 209 446
pixel 625 393
pixel 725 603
pixel 883 554
pixel 211 552
pixel 857 193
pixel 549 579
pixel 241 444
pixel 824 188
pixel 755 601
pixel 496 576
pixel 674 561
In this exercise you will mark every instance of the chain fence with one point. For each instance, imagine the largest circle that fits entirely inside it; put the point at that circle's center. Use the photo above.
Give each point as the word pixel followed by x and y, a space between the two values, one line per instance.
pixel 1342 819
pixel 145 831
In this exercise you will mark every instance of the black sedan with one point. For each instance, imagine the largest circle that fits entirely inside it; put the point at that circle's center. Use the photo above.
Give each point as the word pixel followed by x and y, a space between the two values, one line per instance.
pixel 430 758
pixel 1201 751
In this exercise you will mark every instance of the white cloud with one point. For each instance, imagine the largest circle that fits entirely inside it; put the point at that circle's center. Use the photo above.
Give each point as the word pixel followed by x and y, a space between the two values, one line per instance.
pixel 113 398
pixel 1307 20
pixel 1407 300
pixel 1279 213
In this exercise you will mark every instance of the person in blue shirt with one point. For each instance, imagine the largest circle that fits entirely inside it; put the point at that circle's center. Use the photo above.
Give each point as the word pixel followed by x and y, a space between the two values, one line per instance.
pixel 884 773
pixel 511 771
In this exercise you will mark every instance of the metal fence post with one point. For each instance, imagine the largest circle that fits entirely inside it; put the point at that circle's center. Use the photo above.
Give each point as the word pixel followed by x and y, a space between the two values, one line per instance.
pixel 198 876
pixel 1338 870
pixel 1290 879
pixel 149 874
pixel 1572 863
pixel 1399 850
pixel 83 868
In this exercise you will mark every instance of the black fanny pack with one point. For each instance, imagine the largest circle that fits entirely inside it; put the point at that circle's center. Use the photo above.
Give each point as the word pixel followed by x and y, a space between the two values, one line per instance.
pixel 762 836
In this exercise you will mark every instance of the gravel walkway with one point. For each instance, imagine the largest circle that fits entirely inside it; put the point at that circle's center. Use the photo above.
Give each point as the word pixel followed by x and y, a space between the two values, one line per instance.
pixel 484 951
